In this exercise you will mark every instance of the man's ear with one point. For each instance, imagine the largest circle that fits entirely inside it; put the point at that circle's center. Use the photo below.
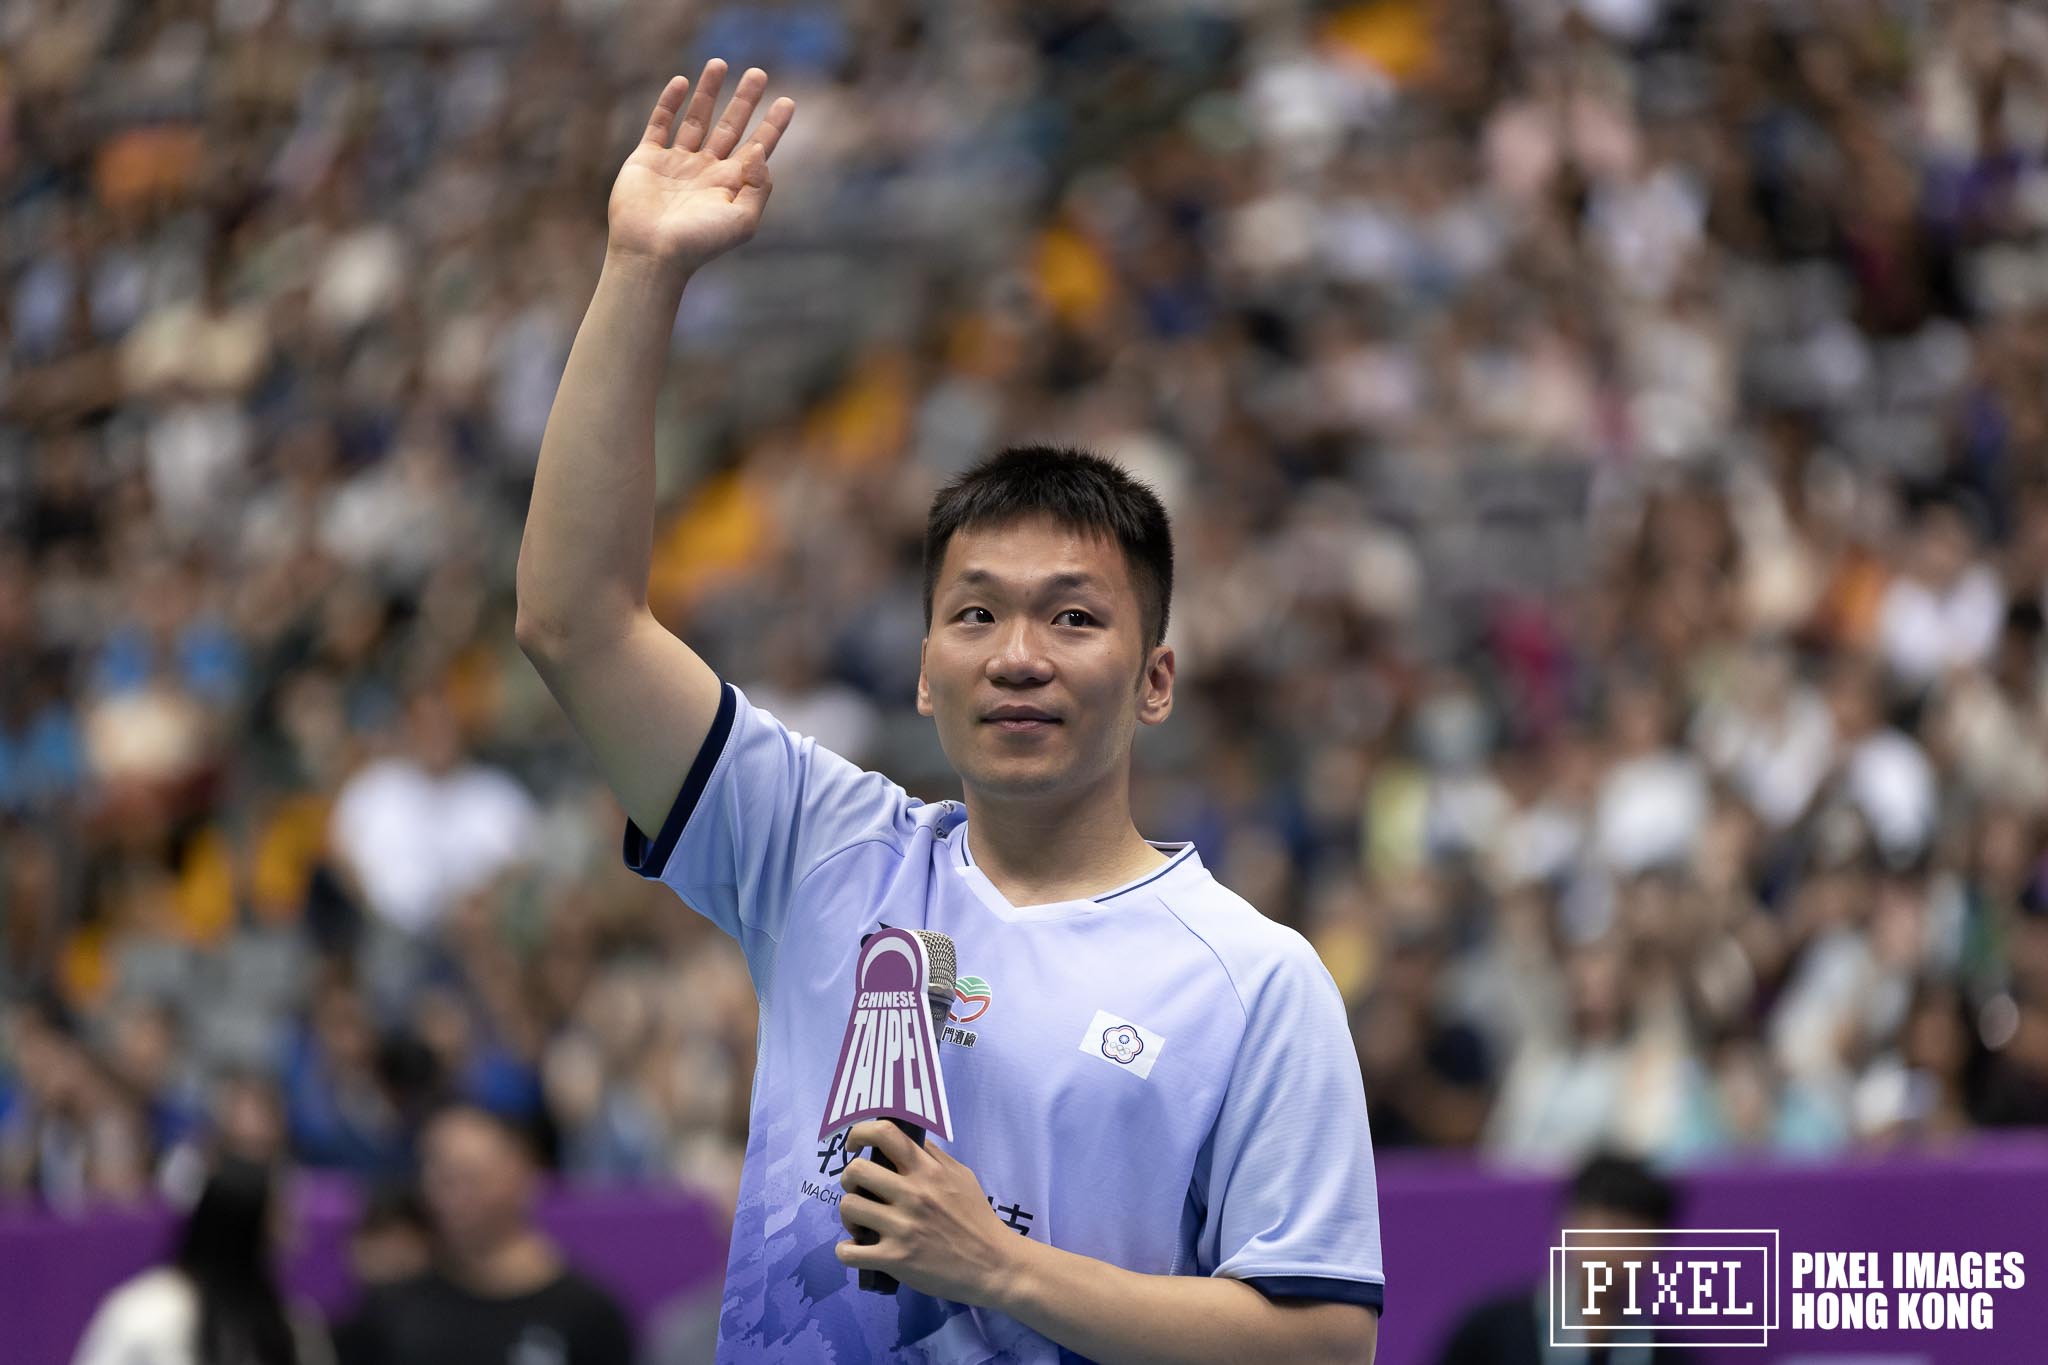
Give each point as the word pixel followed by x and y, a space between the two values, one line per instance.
pixel 924 691
pixel 1155 687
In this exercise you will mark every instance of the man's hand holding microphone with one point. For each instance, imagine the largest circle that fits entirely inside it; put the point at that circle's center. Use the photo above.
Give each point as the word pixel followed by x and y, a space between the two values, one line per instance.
pixel 938 1234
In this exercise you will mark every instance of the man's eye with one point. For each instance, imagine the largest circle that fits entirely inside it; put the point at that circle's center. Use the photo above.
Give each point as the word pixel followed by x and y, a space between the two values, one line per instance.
pixel 1076 611
pixel 983 610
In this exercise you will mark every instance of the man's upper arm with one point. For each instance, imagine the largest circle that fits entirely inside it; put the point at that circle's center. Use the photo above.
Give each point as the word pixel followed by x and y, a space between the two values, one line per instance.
pixel 724 803
pixel 1347 1332
pixel 643 702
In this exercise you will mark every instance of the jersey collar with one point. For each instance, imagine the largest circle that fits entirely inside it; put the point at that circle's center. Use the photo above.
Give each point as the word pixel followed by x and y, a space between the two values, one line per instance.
pixel 1182 859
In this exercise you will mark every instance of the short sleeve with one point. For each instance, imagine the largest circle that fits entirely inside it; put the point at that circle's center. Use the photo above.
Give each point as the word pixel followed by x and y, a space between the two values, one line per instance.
pixel 1285 1186
pixel 760 807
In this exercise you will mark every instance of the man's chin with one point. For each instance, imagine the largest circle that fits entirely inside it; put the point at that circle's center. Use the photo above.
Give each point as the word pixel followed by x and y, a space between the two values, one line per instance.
pixel 1014 781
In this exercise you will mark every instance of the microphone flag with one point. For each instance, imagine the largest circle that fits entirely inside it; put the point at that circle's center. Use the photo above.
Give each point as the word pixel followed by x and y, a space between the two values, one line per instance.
pixel 889 1058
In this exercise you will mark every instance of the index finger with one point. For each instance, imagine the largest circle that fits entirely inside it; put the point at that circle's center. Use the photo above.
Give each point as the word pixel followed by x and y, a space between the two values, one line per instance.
pixel 886 1138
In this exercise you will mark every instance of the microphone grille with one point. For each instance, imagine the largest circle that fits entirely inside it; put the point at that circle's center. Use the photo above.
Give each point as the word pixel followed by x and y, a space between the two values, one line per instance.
pixel 938 951
pixel 939 959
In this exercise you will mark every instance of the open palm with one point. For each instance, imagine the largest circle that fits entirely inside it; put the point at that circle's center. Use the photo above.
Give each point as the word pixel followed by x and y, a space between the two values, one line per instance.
pixel 681 205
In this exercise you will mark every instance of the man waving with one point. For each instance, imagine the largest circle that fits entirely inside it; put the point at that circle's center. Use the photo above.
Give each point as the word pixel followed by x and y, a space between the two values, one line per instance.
pixel 1160 1149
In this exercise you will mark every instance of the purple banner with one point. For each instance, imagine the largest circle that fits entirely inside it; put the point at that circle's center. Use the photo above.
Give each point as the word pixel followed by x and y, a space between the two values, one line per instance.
pixel 1454 1235
pixel 649 1247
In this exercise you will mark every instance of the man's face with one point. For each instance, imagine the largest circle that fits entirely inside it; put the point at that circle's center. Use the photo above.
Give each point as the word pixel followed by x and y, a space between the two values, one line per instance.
pixel 1037 617
pixel 476 1181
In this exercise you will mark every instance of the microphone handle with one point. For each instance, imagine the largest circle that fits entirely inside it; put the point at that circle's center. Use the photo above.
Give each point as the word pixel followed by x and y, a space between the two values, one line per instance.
pixel 881 1281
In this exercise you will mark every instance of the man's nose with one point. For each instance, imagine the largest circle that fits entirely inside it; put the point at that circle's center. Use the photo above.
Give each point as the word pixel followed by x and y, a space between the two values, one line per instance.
pixel 1020 652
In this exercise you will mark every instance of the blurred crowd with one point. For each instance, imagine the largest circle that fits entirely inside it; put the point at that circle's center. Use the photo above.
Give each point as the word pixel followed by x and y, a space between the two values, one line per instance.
pixel 1608 447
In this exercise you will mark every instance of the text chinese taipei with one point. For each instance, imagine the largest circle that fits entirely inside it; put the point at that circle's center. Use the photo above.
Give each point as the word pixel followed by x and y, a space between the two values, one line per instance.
pixel 889 1058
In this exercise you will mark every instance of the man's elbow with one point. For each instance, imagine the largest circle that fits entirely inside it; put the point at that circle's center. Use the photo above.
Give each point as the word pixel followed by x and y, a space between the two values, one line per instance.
pixel 548 635
pixel 535 635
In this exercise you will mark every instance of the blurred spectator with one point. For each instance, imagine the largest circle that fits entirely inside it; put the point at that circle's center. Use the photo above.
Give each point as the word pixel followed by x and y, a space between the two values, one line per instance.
pixel 146 1054
pixel 2016 1022
pixel 475 1065
pixel 339 1095
pixel 393 1239
pixel 419 829
pixel 1918 1091
pixel 1608 1193
pixel 248 1119
pixel 75 1135
pixel 1653 804
pixel 1944 611
pixel 1614 1072
pixel 1429 1076
pixel 218 1300
pixel 392 1242
pixel 498 1290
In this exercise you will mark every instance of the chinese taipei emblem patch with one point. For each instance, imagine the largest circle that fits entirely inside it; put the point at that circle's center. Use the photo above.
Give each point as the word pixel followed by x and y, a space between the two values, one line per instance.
pixel 889 1058
pixel 1131 1046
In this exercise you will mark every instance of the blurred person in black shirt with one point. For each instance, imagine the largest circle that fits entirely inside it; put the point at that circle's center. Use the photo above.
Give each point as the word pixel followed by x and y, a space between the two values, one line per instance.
pixel 498 1292
pixel 1609 1192
pixel 1430 1075
pixel 392 1242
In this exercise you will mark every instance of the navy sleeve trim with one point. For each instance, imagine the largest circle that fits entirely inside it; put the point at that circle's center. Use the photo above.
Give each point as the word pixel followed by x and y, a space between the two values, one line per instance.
pixel 649 858
pixel 1368 1292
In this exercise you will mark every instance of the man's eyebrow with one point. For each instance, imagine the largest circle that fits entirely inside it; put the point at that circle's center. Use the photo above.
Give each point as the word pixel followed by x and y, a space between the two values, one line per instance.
pixel 982 578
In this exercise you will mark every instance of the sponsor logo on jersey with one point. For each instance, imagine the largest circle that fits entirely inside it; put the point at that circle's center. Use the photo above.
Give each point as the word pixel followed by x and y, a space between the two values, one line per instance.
pixel 973 999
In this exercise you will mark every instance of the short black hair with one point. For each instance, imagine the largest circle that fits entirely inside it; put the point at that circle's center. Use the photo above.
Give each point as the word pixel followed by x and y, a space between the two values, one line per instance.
pixel 393 1203
pixel 1609 1180
pixel 519 1133
pixel 1077 489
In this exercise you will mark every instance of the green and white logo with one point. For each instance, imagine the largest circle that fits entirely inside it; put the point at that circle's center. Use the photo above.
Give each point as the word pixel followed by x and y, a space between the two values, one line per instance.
pixel 974 995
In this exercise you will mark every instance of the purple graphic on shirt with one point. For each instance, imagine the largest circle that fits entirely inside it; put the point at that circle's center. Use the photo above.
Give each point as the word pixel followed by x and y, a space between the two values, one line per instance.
pixel 889 1058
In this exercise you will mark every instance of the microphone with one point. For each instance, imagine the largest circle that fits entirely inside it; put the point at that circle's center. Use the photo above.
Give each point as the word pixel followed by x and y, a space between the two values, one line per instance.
pixel 942 969
pixel 889 1059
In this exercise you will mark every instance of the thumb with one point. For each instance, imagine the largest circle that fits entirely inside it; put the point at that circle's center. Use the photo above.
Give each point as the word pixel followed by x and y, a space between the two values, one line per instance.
pixel 754 181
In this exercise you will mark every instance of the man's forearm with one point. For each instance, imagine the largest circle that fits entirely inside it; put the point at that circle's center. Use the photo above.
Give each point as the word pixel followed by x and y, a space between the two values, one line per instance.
pixel 1120 1317
pixel 590 526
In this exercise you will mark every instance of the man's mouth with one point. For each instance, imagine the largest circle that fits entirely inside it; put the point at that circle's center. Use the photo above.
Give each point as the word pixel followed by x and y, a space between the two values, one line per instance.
pixel 1021 719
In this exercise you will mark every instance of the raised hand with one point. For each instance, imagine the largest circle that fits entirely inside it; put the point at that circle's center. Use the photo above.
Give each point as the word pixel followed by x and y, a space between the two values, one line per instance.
pixel 679 206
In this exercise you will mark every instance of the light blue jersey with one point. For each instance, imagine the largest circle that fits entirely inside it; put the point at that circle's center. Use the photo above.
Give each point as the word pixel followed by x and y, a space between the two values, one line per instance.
pixel 1159 1077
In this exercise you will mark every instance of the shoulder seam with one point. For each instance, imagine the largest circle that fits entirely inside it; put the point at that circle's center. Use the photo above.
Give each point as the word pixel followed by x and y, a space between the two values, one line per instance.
pixel 1228 975
pixel 878 835
pixel 796 888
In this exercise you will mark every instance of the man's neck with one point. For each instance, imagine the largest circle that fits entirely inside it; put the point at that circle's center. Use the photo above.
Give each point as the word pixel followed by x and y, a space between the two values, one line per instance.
pixel 518 1265
pixel 1038 855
